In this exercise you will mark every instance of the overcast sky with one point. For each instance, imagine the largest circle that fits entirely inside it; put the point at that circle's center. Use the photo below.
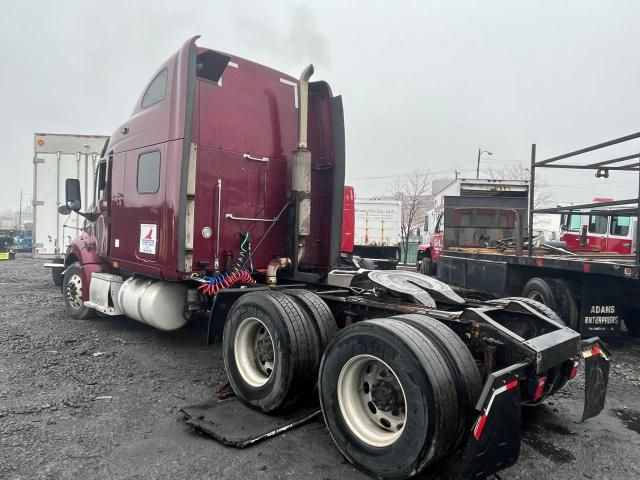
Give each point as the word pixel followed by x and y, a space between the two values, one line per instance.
pixel 424 84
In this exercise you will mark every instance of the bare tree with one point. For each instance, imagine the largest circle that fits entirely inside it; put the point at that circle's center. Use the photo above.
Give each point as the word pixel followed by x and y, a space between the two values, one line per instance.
pixel 543 196
pixel 412 192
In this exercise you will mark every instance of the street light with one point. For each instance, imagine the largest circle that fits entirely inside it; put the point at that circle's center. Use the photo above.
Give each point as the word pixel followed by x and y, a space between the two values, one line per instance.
pixel 480 152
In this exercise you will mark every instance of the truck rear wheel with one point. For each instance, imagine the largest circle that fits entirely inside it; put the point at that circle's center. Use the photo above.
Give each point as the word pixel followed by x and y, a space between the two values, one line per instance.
pixel 461 363
pixel 72 291
pixel 388 398
pixel 318 311
pixel 270 350
pixel 632 322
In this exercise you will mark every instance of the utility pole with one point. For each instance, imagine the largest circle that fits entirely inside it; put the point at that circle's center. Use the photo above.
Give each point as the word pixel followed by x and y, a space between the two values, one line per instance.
pixel 480 152
pixel 20 212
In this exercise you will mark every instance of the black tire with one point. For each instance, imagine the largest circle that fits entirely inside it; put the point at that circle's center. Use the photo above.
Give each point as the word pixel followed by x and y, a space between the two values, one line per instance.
pixel 463 367
pixel 566 304
pixel 72 293
pixel 294 345
pixel 431 422
pixel 324 322
pixel 537 306
pixel 427 267
pixel 56 275
pixel 541 291
pixel 632 322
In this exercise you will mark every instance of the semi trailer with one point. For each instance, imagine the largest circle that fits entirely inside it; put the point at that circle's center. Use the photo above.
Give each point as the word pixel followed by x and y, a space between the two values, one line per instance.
pixel 222 196
pixel 57 157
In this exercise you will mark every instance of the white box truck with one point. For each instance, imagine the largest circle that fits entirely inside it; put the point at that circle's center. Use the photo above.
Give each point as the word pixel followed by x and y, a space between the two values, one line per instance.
pixel 377 231
pixel 57 157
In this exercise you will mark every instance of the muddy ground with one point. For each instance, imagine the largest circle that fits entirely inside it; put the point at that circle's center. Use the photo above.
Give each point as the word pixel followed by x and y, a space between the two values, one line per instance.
pixel 100 399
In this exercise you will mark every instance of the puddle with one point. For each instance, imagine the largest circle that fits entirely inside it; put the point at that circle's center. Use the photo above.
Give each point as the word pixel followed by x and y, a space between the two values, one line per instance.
pixel 553 452
pixel 630 418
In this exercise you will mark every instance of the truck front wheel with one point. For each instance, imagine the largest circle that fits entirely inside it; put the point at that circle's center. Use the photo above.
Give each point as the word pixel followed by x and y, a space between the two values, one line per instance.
pixel 388 398
pixel 72 290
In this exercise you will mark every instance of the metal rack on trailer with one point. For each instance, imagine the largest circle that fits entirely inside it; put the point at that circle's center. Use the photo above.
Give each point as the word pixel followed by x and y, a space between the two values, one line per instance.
pixel 629 207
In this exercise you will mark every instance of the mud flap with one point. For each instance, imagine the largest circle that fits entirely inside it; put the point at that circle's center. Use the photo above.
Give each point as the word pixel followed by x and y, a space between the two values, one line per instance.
pixel 494 441
pixel 596 359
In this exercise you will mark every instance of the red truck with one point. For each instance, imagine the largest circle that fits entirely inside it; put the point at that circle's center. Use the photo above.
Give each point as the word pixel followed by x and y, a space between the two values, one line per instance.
pixel 599 233
pixel 223 195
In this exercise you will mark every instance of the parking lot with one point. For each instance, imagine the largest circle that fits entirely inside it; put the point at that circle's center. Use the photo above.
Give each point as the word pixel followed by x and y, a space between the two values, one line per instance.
pixel 100 399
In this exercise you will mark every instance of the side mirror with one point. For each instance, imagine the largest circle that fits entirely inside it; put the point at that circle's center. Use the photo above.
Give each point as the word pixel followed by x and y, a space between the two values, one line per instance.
pixel 72 194
pixel 426 223
pixel 563 228
pixel 64 210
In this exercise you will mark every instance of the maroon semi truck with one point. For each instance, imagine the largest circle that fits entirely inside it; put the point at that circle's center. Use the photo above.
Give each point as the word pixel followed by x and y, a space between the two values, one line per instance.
pixel 223 195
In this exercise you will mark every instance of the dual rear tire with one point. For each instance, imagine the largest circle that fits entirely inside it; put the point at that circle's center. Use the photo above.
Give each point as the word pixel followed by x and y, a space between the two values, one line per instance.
pixel 397 394
pixel 272 345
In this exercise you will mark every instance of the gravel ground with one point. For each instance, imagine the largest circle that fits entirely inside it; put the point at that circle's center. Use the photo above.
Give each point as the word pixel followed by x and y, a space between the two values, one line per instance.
pixel 100 399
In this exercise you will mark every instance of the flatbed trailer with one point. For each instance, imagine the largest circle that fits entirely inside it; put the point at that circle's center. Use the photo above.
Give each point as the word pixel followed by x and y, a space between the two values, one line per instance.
pixel 595 293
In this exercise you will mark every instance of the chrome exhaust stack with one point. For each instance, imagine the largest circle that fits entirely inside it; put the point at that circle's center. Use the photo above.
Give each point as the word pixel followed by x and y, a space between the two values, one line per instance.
pixel 301 172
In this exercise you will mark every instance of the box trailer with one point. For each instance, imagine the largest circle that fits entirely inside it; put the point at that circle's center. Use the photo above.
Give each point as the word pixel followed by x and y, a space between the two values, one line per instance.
pixel 223 195
pixel 55 158
pixel 377 231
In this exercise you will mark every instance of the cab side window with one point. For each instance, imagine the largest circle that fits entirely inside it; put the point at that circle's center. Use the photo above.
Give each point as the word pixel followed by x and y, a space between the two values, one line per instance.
pixel 598 223
pixel 101 180
pixel 157 89
pixel 149 172
pixel 620 225
pixel 438 228
pixel 574 223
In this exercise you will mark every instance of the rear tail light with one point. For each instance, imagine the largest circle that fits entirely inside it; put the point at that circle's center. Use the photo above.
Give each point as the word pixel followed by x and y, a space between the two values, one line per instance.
pixel 574 370
pixel 539 389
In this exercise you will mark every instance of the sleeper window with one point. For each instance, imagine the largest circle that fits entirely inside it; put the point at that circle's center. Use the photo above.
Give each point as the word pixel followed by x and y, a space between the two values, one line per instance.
pixel 156 90
pixel 149 172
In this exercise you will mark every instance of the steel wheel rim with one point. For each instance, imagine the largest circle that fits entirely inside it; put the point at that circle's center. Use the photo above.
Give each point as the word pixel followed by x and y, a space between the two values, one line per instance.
pixel 254 352
pixel 74 291
pixel 372 400
pixel 537 296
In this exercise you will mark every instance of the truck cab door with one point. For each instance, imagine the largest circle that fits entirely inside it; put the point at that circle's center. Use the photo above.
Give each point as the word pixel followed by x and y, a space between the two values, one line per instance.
pixel 571 234
pixel 101 206
pixel 620 237
pixel 437 239
pixel 597 233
